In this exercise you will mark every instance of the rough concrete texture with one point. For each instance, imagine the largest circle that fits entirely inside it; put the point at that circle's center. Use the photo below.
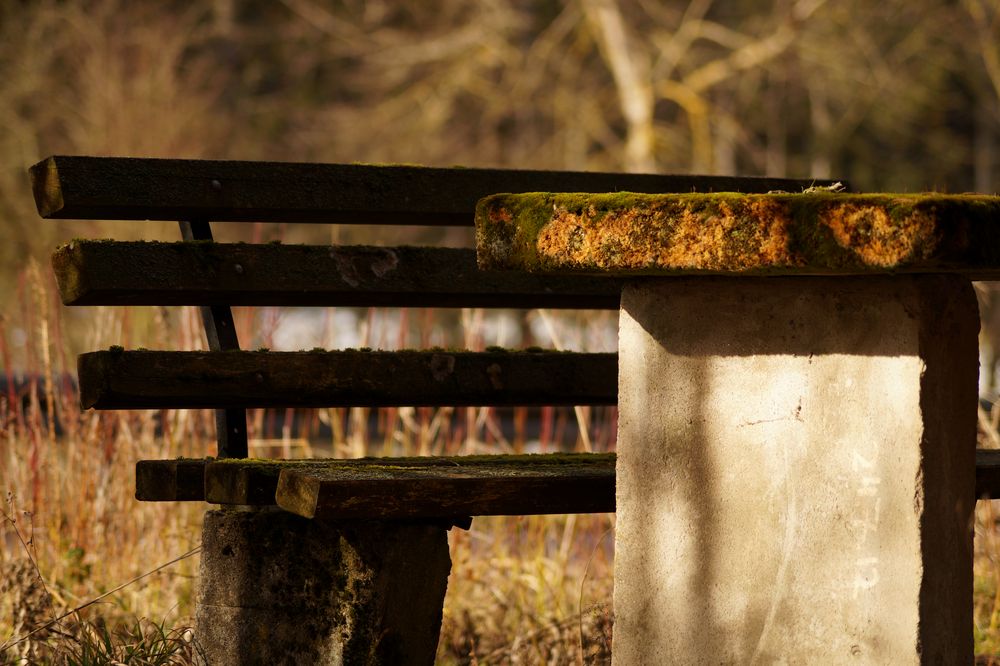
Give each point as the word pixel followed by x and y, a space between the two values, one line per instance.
pixel 796 471
pixel 281 589
pixel 812 233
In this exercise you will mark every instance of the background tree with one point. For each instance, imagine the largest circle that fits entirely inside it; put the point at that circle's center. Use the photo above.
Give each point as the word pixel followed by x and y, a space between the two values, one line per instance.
pixel 894 95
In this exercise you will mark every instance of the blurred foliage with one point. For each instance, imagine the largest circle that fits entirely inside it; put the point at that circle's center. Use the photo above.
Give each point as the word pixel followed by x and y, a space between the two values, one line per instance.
pixel 75 544
pixel 891 95
pixel 895 95
pixel 899 95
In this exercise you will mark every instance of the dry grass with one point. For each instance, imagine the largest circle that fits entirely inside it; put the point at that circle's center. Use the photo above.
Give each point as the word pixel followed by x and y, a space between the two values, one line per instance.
pixel 986 567
pixel 533 589
pixel 522 590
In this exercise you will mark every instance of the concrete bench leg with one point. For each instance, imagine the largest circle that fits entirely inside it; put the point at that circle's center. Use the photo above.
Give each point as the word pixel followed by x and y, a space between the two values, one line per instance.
pixel 795 474
pixel 280 589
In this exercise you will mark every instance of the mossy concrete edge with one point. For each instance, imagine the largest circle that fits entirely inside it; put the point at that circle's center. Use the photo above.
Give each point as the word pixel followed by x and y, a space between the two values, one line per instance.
pixel 730 233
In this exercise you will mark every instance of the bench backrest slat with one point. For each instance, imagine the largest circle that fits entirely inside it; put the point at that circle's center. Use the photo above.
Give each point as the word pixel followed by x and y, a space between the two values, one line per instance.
pixel 151 379
pixel 120 188
pixel 144 273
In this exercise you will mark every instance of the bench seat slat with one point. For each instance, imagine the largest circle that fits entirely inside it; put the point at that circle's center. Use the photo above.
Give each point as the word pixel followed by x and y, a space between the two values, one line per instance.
pixel 182 479
pixel 151 379
pixel 988 473
pixel 427 487
pixel 311 482
pixel 121 188
pixel 150 273
pixel 524 486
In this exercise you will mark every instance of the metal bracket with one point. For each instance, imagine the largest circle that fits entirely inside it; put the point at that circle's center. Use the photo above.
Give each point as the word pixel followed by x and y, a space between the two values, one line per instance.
pixel 230 424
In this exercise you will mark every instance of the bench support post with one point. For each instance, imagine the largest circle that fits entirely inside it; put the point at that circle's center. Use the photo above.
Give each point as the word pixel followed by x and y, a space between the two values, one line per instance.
pixel 795 475
pixel 278 588
pixel 220 331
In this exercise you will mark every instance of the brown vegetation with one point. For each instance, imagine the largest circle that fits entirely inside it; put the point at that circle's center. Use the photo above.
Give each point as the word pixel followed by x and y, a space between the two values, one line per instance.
pixel 896 95
pixel 531 588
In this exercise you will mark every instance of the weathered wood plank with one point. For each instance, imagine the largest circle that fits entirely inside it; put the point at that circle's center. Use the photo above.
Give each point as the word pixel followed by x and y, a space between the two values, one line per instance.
pixel 818 233
pixel 182 479
pixel 255 482
pixel 244 481
pixel 987 473
pixel 420 487
pixel 156 189
pixel 150 273
pixel 149 379
pixel 507 485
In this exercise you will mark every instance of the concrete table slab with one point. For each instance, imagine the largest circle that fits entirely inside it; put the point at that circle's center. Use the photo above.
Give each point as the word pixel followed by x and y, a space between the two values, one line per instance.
pixel 728 233
pixel 795 473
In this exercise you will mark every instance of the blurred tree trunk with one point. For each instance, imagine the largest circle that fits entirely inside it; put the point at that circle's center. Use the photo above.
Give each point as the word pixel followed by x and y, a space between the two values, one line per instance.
pixel 820 123
pixel 224 16
pixel 776 148
pixel 630 69
pixel 984 147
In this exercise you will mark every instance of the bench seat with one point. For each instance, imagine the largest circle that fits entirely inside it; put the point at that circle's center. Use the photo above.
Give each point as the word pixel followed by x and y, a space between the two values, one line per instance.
pixel 393 488
pixel 364 487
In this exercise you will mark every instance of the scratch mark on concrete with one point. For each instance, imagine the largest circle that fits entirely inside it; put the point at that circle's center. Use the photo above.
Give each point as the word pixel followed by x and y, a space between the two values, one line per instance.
pixel 788 546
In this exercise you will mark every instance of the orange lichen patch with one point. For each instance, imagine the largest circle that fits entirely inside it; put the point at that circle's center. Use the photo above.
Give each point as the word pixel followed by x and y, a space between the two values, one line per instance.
pixel 877 238
pixel 809 233
pixel 774 239
pixel 733 234
pixel 500 215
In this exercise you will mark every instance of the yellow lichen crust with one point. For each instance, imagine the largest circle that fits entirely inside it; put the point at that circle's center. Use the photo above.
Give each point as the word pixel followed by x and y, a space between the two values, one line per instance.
pixel 822 232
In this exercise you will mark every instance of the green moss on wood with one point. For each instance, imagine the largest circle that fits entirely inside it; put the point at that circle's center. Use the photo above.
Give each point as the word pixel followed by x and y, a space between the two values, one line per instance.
pixel 815 232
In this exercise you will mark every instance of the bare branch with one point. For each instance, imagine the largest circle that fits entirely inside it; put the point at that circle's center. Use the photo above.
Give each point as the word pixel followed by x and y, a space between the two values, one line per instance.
pixel 323 19
pixel 752 55
pixel 987 36
pixel 631 75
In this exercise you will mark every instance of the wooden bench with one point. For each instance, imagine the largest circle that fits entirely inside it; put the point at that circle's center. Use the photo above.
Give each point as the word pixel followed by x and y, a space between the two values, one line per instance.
pixel 435 492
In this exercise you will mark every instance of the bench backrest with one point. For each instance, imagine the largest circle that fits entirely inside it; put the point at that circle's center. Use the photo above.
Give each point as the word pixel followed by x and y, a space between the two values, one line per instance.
pixel 216 276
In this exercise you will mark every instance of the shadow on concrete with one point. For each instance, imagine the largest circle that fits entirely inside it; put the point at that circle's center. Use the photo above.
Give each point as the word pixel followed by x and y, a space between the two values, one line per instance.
pixel 777 317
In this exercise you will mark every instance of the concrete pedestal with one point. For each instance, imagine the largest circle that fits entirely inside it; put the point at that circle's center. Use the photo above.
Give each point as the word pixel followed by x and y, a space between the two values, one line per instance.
pixel 280 589
pixel 796 471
